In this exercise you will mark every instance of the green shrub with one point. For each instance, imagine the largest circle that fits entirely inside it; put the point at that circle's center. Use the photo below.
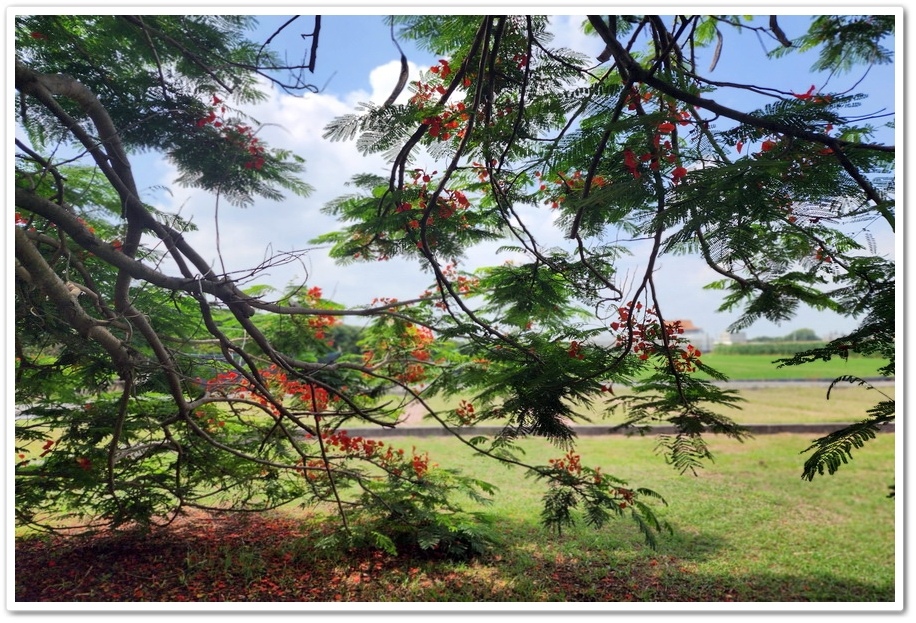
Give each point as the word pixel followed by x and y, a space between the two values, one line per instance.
pixel 766 348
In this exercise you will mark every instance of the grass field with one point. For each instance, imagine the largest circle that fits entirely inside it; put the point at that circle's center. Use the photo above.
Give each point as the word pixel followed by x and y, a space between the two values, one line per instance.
pixel 761 367
pixel 747 528
pixel 784 404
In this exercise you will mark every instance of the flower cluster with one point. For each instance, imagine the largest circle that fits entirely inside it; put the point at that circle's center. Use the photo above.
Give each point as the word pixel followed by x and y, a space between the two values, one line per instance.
pixel 661 150
pixel 520 60
pixel 448 203
pixel 321 322
pixel 634 99
pixel 420 463
pixel 566 184
pixel 392 460
pixel 356 446
pixel 689 357
pixel 575 350
pixel 425 91
pixel 811 97
pixel 648 337
pixel 208 422
pixel 405 353
pixel 384 301
pixel 767 145
pixel 571 463
pixel 238 135
pixel 462 284
pixel 481 169
pixel 442 126
pixel 303 393
pixel 451 121
pixel 465 413
pixel 627 496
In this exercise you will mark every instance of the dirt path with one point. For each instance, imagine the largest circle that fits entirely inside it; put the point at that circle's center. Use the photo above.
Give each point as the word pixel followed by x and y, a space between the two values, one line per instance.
pixel 413 413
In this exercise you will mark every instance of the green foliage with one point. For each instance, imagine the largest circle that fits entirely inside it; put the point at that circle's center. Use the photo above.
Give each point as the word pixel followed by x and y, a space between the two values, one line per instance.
pixel 834 450
pixel 618 156
pixel 159 78
pixel 143 394
pixel 150 392
pixel 803 335
pixel 601 497
pixel 846 41
pixel 875 336
pixel 405 517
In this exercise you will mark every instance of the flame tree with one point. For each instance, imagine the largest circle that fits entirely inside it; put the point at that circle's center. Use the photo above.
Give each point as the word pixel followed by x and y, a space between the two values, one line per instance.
pixel 143 392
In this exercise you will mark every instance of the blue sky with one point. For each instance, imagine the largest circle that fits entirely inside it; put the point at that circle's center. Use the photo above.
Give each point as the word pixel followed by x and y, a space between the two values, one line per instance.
pixel 357 62
pixel 350 47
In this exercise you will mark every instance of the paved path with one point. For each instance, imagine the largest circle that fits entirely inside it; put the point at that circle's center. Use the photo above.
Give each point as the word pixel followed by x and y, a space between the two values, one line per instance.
pixel 815 430
pixel 412 423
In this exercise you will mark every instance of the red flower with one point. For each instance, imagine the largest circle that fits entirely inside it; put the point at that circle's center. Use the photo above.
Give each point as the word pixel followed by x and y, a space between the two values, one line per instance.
pixel 768 145
pixel 805 96
pixel 666 127
pixel 678 174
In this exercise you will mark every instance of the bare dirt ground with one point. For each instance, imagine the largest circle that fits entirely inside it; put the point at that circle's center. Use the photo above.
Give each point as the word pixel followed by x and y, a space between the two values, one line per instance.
pixel 413 414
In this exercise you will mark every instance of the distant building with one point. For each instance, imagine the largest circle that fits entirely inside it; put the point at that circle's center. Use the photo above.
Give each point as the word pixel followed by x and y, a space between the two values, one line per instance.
pixel 694 334
pixel 726 338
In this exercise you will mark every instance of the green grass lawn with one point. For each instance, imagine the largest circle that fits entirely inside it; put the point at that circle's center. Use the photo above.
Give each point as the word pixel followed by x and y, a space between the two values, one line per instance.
pixel 783 404
pixel 761 367
pixel 804 405
pixel 746 528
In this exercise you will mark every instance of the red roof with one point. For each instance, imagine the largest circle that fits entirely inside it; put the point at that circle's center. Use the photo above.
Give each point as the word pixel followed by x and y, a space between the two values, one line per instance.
pixel 687 325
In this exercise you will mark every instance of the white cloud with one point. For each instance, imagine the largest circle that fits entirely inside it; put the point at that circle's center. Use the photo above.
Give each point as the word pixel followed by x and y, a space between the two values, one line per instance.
pixel 247 237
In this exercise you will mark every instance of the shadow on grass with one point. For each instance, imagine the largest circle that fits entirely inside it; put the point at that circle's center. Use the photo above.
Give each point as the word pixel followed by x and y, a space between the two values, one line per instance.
pixel 271 559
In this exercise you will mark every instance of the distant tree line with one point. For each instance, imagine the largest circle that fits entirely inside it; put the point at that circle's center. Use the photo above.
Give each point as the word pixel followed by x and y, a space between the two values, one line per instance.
pixel 799 335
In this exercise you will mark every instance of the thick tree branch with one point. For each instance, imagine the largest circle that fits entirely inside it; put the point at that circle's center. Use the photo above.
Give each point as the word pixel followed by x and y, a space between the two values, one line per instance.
pixel 44 278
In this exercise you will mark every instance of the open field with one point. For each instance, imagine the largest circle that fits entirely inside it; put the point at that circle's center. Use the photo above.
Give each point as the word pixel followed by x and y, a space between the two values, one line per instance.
pixel 746 528
pixel 784 403
pixel 791 403
pixel 761 367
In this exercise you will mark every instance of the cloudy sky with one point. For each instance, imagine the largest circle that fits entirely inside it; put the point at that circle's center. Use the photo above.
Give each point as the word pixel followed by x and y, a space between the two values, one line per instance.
pixel 357 62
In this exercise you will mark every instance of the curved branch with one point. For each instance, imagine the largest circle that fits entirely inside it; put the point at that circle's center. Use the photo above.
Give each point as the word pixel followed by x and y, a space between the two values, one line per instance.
pixel 637 73
pixel 46 280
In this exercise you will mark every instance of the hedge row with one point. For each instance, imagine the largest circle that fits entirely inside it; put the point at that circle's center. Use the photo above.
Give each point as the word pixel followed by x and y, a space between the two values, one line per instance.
pixel 766 348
